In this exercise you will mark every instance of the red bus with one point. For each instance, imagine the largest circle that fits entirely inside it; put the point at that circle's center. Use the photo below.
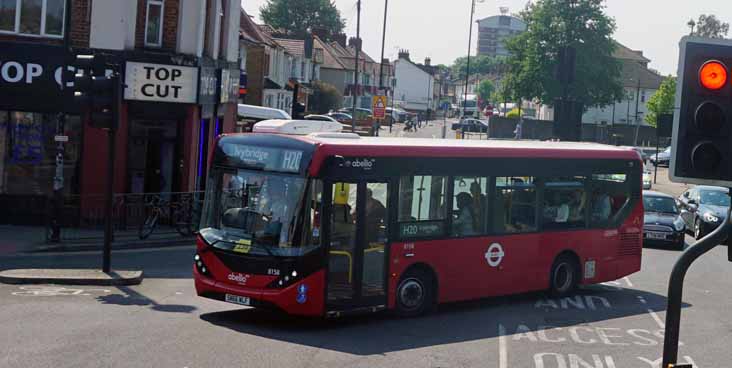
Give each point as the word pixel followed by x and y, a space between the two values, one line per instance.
pixel 330 224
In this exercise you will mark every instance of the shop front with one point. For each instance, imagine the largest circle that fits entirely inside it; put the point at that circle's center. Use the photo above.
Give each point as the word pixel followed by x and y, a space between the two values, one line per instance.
pixel 40 134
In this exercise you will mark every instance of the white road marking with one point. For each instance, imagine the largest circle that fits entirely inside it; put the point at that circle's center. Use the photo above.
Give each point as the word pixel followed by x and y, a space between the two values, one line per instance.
pixel 657 319
pixel 502 348
pixel 55 291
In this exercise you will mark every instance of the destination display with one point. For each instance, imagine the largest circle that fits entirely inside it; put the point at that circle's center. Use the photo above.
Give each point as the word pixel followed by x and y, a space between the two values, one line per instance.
pixel 265 158
pixel 423 229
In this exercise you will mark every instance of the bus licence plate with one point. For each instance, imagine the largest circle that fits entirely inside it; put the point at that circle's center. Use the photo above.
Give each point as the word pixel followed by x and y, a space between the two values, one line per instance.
pixel 659 236
pixel 236 299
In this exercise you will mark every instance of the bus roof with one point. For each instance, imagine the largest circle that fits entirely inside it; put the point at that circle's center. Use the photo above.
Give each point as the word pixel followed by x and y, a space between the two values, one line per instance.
pixel 421 147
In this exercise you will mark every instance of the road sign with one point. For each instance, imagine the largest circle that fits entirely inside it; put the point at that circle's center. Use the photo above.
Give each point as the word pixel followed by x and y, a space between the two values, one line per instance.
pixel 379 107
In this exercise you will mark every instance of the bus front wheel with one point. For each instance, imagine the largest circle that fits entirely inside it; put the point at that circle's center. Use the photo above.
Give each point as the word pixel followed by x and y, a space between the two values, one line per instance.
pixel 414 295
pixel 564 276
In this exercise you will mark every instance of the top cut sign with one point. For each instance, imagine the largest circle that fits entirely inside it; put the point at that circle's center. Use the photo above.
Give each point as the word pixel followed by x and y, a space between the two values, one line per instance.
pixel 379 107
pixel 161 83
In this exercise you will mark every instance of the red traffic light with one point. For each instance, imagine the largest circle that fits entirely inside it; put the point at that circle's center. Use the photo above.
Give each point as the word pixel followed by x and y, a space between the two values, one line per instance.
pixel 713 75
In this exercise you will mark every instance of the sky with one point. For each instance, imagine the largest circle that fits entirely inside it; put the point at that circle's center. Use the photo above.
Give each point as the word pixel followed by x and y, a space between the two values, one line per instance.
pixel 439 28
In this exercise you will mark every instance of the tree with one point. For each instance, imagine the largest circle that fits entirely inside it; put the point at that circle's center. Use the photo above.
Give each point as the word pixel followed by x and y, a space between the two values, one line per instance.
pixel 325 98
pixel 295 17
pixel 485 90
pixel 709 26
pixel 552 25
pixel 478 65
pixel 662 102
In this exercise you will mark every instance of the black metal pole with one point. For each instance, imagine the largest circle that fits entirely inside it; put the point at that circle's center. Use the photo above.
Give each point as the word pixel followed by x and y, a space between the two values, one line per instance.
pixel 637 123
pixel 676 287
pixel 111 145
pixel 655 174
pixel 467 71
pixel 355 74
pixel 58 180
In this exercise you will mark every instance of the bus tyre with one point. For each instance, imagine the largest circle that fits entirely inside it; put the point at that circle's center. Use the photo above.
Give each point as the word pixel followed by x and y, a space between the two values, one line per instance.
pixel 414 294
pixel 564 276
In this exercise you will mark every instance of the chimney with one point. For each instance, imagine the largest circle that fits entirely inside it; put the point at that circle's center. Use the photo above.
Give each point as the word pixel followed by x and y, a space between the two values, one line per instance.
pixel 340 38
pixel 353 41
pixel 404 54
pixel 427 61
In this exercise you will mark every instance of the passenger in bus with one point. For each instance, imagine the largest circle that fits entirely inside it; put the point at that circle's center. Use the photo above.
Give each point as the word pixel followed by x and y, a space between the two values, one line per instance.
pixel 556 208
pixel 601 206
pixel 577 206
pixel 465 221
pixel 479 201
pixel 375 216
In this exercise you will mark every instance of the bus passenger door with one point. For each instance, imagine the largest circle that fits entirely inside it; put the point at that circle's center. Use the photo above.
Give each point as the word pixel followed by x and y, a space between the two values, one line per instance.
pixel 357 245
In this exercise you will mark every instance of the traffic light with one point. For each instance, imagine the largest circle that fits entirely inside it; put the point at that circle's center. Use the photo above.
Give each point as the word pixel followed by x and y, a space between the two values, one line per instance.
pixel 702 126
pixel 97 91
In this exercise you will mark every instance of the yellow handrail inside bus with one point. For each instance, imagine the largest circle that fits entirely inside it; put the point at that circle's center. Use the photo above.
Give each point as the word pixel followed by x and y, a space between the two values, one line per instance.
pixel 350 261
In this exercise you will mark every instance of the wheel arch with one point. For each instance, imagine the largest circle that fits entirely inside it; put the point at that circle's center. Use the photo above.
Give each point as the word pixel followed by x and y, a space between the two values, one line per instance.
pixel 424 267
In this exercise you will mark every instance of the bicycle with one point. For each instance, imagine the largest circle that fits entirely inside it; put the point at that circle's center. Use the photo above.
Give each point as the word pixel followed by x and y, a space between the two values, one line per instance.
pixel 183 215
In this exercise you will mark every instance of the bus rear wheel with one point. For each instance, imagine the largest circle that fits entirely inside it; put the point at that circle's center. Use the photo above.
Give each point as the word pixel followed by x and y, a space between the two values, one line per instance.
pixel 414 294
pixel 564 276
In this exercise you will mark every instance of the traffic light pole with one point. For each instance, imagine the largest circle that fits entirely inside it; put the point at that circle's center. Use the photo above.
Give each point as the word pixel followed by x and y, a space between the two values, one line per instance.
pixel 111 154
pixel 676 287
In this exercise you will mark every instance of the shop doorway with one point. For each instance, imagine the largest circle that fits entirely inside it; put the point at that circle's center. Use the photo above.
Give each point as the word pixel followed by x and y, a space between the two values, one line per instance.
pixel 152 156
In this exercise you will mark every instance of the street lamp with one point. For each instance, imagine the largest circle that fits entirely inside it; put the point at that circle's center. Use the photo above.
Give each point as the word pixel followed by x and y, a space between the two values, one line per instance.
pixel 470 44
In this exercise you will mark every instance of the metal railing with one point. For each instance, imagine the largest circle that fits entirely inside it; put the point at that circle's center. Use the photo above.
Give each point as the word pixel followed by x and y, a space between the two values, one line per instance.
pixel 135 217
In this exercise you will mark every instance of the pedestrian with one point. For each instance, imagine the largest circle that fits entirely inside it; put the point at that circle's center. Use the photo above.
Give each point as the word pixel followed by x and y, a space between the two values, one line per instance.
pixel 518 131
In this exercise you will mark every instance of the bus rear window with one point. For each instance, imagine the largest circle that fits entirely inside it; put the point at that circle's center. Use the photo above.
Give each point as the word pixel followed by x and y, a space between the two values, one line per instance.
pixel 609 197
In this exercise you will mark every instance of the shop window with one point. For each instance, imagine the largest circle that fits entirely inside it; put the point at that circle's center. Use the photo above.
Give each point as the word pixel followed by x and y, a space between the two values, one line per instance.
pixel 514 207
pixel 154 23
pixel 28 153
pixel 33 17
pixel 565 203
pixel 422 211
pixel 469 205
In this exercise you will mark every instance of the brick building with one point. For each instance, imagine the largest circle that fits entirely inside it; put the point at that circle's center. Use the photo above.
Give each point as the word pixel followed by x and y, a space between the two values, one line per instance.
pixel 167 124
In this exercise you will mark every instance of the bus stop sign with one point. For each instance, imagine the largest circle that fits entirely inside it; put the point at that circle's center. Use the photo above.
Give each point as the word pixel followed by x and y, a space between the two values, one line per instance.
pixel 379 107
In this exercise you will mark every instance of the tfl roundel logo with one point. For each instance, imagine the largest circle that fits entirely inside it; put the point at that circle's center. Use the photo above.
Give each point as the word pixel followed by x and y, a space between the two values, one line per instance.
pixel 494 255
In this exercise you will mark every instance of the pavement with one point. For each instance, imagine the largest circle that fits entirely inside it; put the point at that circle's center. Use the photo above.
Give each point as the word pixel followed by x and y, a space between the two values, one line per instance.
pixel 74 276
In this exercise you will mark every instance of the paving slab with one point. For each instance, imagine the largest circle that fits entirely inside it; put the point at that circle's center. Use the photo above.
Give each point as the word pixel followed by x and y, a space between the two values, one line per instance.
pixel 70 277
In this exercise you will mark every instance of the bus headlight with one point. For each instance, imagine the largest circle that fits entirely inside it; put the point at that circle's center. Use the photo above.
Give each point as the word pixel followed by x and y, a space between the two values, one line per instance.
pixel 200 266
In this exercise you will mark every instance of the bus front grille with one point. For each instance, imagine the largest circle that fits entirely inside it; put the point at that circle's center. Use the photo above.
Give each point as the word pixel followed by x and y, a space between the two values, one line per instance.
pixel 630 245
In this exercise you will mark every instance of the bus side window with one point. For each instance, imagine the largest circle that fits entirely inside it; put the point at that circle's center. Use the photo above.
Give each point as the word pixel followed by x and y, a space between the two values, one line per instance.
pixel 610 194
pixel 469 205
pixel 422 209
pixel 565 203
pixel 514 205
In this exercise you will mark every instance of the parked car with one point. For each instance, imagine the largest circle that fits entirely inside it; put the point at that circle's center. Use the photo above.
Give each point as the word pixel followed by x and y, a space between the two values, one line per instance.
pixel 248 115
pixel 341 117
pixel 662 223
pixel 662 158
pixel 704 208
pixel 319 117
pixel 361 113
pixel 647 179
pixel 471 125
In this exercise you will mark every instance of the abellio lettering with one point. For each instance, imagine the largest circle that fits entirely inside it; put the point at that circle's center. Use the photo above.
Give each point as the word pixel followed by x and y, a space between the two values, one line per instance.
pixel 365 163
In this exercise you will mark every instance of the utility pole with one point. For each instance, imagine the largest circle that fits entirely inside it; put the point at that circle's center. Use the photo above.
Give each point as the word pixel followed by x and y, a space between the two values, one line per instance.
pixel 383 42
pixel 355 74
pixel 470 44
